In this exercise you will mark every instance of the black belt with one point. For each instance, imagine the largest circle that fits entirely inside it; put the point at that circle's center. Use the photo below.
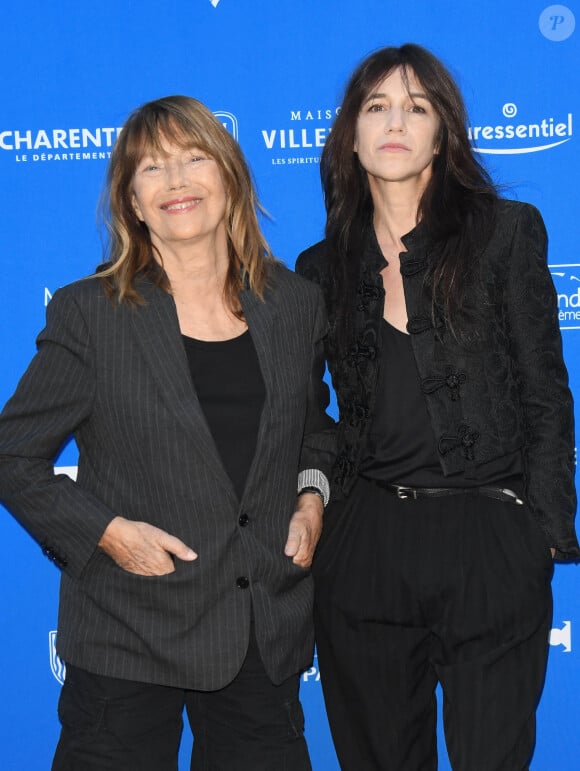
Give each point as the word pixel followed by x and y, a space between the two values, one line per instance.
pixel 403 492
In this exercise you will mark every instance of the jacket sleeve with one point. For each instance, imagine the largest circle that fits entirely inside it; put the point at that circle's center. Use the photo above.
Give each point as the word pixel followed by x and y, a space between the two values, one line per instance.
pixel 536 346
pixel 319 442
pixel 53 398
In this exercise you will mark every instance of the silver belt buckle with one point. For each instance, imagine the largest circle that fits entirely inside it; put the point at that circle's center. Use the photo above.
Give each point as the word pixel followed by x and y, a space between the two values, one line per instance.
pixel 517 500
pixel 405 492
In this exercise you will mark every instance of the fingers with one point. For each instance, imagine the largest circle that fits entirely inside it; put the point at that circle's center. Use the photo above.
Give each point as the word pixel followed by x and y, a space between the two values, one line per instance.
pixel 294 540
pixel 300 545
pixel 144 549
pixel 303 534
pixel 176 547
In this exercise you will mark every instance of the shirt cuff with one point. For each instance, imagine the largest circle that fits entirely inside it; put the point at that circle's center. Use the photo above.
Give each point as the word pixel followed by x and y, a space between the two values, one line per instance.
pixel 312 477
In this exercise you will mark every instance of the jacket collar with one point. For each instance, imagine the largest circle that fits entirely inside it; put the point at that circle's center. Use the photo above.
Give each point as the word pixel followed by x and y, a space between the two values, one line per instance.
pixel 373 260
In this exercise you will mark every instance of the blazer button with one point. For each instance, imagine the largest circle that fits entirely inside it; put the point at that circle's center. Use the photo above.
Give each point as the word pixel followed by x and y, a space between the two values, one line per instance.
pixel 243 520
pixel 242 582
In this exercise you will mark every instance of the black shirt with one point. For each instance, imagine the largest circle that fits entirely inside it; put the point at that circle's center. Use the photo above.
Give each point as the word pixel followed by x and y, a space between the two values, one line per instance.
pixel 231 392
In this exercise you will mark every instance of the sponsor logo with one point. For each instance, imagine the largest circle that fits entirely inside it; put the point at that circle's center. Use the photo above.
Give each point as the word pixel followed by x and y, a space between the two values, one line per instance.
pixel 511 138
pixel 57 666
pixel 229 120
pixel 59 144
pixel 567 281
pixel 70 471
pixel 301 139
pixel 312 675
pixel 562 637
pixel 557 23
pixel 74 144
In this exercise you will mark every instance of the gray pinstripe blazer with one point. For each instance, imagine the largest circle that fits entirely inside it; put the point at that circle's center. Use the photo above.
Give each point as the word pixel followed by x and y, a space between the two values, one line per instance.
pixel 117 378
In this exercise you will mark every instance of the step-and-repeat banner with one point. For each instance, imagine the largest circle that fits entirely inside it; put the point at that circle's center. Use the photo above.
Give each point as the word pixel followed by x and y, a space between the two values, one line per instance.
pixel 274 71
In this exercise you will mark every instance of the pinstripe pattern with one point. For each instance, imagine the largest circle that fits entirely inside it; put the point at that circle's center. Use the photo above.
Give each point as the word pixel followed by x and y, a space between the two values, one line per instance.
pixel 118 378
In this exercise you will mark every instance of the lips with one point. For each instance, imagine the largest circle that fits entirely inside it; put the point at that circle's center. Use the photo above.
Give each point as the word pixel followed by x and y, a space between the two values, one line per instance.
pixel 396 147
pixel 180 205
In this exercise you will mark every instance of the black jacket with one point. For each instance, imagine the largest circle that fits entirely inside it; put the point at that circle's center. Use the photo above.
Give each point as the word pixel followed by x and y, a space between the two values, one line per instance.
pixel 506 394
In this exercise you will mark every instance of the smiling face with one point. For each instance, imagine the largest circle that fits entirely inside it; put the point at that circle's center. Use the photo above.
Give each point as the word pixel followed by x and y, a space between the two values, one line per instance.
pixel 396 132
pixel 180 195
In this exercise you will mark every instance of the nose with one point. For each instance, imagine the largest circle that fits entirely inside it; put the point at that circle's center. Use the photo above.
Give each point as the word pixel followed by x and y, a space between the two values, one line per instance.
pixel 395 120
pixel 175 175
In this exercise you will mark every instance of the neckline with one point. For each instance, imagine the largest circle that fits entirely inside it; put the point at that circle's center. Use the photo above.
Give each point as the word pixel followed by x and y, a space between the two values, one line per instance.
pixel 187 338
pixel 396 329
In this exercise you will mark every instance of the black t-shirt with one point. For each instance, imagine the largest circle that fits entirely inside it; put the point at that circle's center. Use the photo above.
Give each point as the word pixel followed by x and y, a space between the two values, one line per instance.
pixel 231 392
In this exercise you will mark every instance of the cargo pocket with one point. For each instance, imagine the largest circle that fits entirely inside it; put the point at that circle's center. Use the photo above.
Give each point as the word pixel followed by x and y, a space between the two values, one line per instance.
pixel 295 717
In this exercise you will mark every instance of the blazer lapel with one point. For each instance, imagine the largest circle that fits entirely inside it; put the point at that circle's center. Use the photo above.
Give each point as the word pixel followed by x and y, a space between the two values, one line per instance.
pixel 157 331
pixel 260 317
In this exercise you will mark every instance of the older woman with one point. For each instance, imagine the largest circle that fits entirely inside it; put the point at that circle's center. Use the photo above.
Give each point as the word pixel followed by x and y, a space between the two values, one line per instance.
pixel 456 444
pixel 189 372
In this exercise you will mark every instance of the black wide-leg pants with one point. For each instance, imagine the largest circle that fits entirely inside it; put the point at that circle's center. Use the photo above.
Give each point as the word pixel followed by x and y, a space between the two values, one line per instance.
pixel 410 593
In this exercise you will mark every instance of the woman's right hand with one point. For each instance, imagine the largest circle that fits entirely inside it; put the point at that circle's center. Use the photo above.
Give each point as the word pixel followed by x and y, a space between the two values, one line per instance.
pixel 142 548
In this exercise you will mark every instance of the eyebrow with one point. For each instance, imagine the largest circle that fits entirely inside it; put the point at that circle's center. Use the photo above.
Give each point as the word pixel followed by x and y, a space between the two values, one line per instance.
pixel 412 94
pixel 158 154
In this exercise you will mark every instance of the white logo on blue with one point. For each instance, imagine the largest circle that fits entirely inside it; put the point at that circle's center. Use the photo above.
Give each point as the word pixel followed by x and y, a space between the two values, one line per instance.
pixel 562 637
pixel 544 134
pixel 566 278
pixel 229 121
pixel 57 665
pixel 312 674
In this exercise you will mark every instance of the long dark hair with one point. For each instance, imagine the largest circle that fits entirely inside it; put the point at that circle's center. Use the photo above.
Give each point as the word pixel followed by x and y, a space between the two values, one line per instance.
pixel 456 207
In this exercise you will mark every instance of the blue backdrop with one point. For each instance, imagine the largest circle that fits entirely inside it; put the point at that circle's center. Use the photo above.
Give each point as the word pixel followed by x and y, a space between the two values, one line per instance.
pixel 274 70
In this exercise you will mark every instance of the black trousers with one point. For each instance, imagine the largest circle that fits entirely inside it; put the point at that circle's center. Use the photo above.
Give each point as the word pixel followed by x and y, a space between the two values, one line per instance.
pixel 110 724
pixel 410 593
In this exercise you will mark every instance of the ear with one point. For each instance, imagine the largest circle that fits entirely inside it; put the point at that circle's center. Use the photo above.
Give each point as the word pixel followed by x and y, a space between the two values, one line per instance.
pixel 439 139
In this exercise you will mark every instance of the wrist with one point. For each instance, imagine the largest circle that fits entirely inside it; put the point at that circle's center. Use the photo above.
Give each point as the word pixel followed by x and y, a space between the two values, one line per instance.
pixel 317 481
pixel 313 491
